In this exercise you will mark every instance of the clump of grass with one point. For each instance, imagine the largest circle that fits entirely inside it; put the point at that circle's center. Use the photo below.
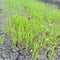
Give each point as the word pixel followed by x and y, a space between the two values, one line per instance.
pixel 1 39
pixel 32 25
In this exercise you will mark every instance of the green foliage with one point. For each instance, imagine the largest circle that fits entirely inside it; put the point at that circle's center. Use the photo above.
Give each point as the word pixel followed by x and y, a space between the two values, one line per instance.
pixel 1 39
pixel 34 24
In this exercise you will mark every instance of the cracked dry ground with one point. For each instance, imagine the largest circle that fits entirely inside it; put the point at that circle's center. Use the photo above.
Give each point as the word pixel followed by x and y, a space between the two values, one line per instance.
pixel 9 53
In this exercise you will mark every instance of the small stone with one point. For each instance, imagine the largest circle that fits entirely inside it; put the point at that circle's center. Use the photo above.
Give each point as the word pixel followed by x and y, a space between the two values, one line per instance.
pixel 26 59
pixel 58 54
pixel 41 52
pixel 4 48
pixel 13 57
pixel 41 57
pixel 16 54
pixel 31 50
pixel 0 52
pixel 21 58
pixel 4 56
pixel 17 49
pixel 1 46
pixel 14 50
pixel 7 51
pixel 58 42
pixel 7 59
pixel 58 58
pixel 13 54
pixel 1 58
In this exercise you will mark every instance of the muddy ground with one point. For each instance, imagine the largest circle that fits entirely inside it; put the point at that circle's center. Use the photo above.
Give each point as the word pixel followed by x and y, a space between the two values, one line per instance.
pixel 56 2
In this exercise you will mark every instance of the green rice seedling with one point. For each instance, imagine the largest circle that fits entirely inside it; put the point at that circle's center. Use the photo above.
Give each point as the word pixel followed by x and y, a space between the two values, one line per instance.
pixel 32 25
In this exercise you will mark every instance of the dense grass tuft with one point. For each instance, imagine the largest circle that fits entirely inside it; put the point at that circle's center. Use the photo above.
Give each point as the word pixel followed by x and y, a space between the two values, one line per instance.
pixel 34 25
